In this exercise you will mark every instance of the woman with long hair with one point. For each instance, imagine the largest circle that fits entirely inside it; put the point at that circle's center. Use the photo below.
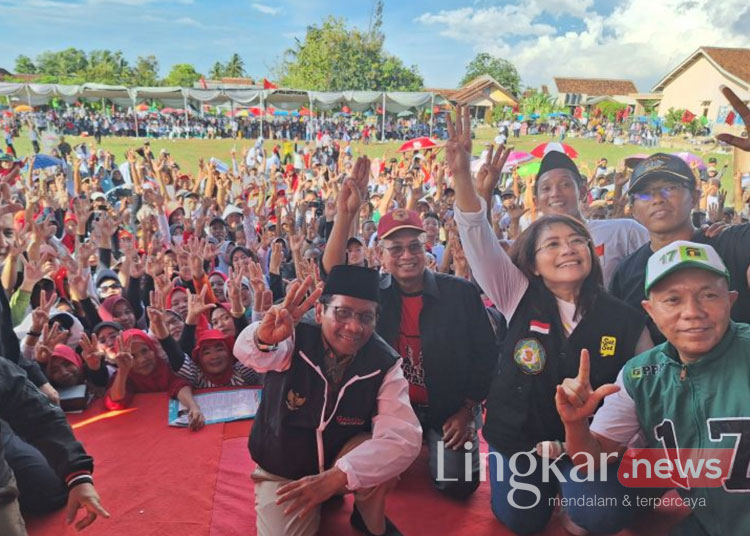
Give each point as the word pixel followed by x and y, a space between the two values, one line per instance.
pixel 550 292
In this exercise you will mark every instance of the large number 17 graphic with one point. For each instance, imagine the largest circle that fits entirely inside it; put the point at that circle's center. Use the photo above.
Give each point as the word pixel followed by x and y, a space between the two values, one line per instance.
pixel 738 480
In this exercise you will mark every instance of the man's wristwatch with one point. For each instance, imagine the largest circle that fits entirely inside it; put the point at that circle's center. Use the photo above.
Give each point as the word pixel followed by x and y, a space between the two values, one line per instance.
pixel 262 346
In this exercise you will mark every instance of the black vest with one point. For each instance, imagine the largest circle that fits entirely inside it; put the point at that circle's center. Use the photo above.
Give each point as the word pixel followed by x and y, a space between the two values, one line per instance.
pixel 283 439
pixel 536 357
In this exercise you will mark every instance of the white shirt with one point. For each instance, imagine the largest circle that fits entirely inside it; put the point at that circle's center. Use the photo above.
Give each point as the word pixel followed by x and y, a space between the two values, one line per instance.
pixel 617 419
pixel 614 240
pixel 396 434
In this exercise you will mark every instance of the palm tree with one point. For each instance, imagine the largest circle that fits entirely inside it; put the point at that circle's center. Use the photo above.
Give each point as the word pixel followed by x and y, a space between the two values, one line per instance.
pixel 235 67
pixel 217 71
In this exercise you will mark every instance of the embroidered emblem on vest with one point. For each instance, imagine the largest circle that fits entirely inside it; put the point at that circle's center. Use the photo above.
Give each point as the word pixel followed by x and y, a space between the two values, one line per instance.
pixel 294 401
pixel 349 421
pixel 607 346
pixel 649 370
pixel 530 356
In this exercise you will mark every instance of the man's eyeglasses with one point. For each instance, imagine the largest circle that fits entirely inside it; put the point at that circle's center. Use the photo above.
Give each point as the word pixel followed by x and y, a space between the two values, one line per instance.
pixel 343 315
pixel 398 250
pixel 575 242
pixel 665 192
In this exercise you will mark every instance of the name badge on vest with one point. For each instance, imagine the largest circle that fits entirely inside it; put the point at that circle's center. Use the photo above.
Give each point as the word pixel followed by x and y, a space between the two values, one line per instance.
pixel 530 356
pixel 607 345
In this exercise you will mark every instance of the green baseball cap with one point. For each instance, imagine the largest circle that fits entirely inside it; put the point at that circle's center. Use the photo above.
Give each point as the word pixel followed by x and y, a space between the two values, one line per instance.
pixel 683 254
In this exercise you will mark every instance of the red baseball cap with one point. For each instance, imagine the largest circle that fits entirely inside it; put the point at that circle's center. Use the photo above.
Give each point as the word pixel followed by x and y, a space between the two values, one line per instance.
pixel 399 219
pixel 68 354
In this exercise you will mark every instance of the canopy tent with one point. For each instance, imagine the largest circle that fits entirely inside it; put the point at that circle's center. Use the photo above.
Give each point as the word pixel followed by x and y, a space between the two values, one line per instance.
pixel 179 97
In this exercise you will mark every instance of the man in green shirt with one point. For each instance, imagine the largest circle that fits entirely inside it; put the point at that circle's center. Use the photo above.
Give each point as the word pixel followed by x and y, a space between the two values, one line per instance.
pixel 691 392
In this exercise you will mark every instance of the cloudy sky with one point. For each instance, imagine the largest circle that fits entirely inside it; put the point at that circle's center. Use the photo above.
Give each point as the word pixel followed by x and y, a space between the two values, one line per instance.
pixel 636 39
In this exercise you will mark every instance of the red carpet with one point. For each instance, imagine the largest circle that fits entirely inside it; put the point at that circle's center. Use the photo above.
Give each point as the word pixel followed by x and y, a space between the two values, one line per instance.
pixel 162 481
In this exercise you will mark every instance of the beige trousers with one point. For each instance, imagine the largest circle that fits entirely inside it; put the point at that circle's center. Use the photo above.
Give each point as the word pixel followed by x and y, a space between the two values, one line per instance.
pixel 271 520
pixel 11 521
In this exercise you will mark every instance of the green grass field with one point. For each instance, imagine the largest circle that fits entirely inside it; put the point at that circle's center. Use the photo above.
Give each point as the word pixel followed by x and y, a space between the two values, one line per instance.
pixel 187 152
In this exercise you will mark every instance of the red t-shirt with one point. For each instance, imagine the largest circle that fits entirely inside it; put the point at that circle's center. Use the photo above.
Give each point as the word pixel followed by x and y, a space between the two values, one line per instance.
pixel 409 346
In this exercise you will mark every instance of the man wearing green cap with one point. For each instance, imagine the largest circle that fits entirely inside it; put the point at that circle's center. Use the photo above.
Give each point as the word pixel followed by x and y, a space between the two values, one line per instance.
pixel 335 415
pixel 691 392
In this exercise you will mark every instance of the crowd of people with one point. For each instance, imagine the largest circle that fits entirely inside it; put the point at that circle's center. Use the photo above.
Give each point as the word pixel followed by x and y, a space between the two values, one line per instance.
pixel 381 305
pixel 173 124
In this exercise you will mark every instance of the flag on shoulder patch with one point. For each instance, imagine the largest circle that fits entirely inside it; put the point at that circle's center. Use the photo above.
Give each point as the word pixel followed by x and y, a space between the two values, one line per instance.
pixel 539 327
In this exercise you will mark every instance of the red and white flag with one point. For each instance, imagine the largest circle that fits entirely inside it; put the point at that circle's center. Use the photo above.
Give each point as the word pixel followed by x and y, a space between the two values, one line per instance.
pixel 539 327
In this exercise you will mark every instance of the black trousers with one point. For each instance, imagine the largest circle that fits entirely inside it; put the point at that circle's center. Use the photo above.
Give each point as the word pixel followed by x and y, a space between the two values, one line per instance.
pixel 449 468
pixel 40 489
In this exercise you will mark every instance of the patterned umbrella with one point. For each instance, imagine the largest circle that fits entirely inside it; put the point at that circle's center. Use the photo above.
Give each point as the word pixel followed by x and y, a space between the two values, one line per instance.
pixel 689 158
pixel 516 158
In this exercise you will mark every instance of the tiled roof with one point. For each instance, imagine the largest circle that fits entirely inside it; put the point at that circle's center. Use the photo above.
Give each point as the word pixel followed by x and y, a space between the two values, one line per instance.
pixel 735 61
pixel 595 86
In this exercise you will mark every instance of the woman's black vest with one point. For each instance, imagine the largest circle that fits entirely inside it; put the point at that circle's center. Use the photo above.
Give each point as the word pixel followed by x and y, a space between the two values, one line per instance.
pixel 536 357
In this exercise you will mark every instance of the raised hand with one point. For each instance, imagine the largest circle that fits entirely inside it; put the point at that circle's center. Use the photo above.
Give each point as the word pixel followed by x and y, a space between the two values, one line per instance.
pixel 51 337
pixel 575 399
pixel 124 357
pixel 297 302
pixel 744 112
pixel 360 176
pixel 32 273
pixel 79 284
pixel 156 299
pixel 91 351
pixel 277 256
pixel 458 146
pixel 137 265
pixel 516 211
pixel 7 206
pixel 350 199
pixel 157 324
pixel 197 306
pixel 40 315
pixel 234 291
pixel 489 174
pixel 296 241
pixel 21 242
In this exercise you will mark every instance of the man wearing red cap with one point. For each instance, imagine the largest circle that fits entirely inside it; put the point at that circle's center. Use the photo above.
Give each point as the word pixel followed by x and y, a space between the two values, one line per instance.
pixel 439 326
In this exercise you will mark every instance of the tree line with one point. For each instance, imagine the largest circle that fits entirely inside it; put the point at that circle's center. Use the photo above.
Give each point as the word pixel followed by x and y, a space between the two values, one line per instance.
pixel 332 56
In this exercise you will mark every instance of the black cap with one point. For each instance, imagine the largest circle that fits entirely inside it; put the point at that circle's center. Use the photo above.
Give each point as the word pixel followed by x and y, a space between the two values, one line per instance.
pixel 508 192
pixel 661 166
pixel 101 325
pixel 354 281
pixel 354 240
pixel 557 160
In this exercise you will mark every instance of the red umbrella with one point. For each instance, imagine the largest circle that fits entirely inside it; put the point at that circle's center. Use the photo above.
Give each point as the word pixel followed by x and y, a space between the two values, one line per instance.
pixel 542 149
pixel 346 109
pixel 417 144
pixel 170 111
pixel 306 112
